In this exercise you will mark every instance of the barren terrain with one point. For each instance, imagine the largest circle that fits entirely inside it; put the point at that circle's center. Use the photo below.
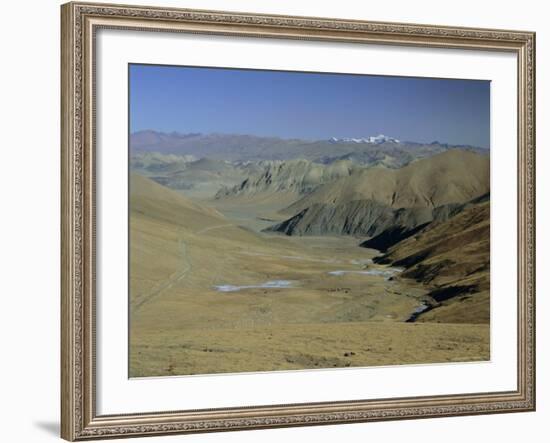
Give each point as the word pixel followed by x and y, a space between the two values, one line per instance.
pixel 211 293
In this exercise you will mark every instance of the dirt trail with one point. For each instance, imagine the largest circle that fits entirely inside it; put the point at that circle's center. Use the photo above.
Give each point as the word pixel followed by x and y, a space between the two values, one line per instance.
pixel 169 283
pixel 176 276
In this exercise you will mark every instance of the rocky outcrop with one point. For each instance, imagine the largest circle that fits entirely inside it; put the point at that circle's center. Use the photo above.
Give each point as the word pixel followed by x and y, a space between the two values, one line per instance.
pixel 297 176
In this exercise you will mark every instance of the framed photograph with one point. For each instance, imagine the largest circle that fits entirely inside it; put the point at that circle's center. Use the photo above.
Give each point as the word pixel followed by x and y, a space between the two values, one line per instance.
pixel 283 221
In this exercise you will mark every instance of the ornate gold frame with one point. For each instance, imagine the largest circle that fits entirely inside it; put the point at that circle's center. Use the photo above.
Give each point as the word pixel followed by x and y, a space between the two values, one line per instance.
pixel 80 21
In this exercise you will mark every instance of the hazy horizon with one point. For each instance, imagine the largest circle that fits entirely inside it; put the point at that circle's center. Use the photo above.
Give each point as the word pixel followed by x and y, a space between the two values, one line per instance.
pixel 235 134
pixel 308 106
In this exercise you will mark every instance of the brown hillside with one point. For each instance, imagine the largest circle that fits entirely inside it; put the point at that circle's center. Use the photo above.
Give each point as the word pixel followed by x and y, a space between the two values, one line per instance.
pixel 154 200
pixel 455 176
pixel 453 258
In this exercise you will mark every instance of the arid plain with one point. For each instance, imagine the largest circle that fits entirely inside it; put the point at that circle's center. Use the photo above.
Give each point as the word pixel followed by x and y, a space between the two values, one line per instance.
pixel 298 263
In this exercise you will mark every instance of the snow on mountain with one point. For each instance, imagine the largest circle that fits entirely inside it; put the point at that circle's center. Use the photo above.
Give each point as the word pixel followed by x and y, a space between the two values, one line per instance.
pixel 373 140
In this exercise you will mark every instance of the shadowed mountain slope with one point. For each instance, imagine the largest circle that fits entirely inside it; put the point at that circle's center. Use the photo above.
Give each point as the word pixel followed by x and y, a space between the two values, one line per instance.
pixel 453 258
pixel 400 232
pixel 361 218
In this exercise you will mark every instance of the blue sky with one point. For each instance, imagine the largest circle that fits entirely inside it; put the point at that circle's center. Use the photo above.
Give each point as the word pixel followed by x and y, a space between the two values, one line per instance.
pixel 308 105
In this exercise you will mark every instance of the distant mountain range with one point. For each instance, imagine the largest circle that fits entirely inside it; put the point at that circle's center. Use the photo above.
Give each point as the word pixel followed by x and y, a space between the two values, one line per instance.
pixel 378 150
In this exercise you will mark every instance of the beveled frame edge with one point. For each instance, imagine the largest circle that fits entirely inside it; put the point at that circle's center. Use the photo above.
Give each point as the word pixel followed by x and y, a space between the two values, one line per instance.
pixel 78 24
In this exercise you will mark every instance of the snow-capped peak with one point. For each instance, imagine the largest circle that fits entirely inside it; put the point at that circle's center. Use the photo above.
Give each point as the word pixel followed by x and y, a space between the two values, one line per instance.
pixel 375 140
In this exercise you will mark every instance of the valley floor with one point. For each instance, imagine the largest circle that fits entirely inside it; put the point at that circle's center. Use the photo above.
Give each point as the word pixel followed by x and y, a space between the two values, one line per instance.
pixel 217 296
